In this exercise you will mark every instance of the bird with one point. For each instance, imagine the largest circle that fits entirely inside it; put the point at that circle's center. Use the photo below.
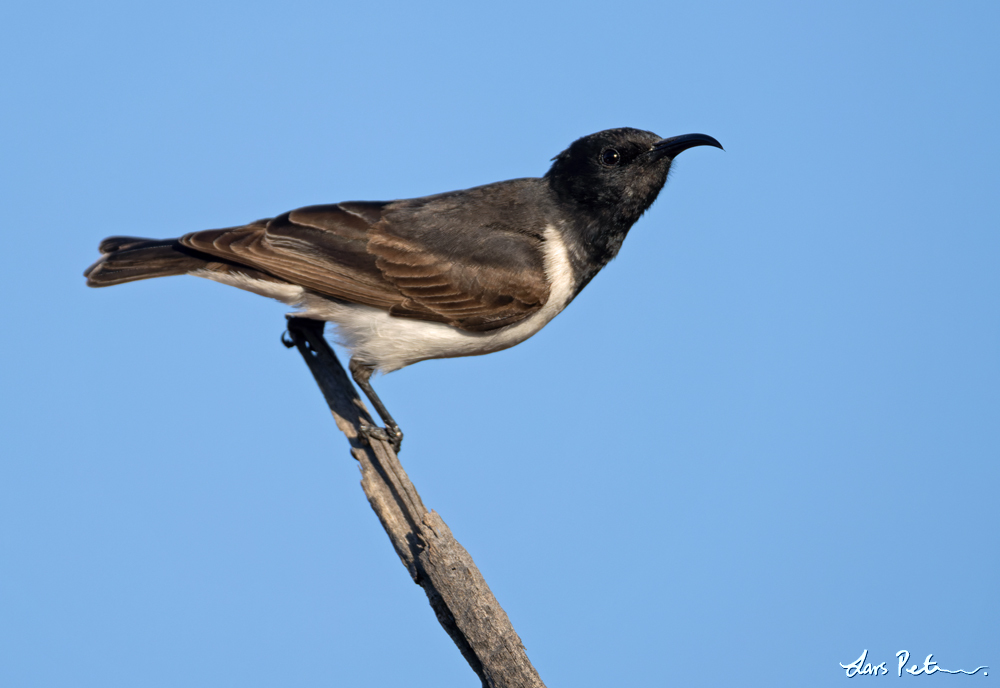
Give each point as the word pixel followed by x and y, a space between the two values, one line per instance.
pixel 460 273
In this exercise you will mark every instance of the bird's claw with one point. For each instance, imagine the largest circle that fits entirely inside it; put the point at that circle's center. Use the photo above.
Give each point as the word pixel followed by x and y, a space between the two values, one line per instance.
pixel 392 435
pixel 287 340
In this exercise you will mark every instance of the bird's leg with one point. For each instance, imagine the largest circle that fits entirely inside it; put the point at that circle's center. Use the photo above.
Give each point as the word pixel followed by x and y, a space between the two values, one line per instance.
pixel 362 375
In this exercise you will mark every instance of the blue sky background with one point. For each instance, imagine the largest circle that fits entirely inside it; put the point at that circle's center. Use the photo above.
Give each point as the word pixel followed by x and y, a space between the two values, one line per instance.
pixel 765 439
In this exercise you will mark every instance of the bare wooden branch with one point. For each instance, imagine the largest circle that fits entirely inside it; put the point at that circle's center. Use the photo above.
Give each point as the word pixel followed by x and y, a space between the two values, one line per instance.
pixel 460 597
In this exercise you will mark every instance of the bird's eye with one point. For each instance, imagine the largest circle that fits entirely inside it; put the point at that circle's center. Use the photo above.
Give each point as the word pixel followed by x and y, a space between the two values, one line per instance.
pixel 610 157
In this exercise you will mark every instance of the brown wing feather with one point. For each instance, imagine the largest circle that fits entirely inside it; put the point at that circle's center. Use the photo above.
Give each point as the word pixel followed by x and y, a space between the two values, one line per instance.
pixel 453 255
pixel 416 259
pixel 469 296
pixel 321 248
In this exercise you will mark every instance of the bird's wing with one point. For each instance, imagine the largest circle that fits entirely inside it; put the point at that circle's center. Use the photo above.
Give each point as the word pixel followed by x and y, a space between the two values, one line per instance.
pixel 321 248
pixel 391 258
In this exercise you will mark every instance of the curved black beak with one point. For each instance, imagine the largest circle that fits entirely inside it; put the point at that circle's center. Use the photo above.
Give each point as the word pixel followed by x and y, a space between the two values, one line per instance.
pixel 675 145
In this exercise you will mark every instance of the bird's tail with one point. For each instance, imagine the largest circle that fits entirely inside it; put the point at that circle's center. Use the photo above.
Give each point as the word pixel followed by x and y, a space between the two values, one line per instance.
pixel 127 259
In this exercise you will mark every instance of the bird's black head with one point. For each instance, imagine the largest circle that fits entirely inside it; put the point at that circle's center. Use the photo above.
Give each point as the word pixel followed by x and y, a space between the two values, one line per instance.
pixel 615 175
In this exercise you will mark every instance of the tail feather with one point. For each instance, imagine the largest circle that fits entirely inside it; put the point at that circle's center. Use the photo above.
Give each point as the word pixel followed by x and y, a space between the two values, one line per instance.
pixel 127 259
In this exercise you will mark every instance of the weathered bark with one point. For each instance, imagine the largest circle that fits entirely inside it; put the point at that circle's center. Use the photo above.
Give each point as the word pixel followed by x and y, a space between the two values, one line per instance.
pixel 462 601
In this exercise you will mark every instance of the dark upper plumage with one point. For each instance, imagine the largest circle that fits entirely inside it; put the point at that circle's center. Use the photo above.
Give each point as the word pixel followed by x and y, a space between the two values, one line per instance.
pixel 468 258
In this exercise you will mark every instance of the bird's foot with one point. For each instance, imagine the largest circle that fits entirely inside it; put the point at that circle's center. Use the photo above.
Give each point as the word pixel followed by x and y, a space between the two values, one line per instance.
pixel 391 434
